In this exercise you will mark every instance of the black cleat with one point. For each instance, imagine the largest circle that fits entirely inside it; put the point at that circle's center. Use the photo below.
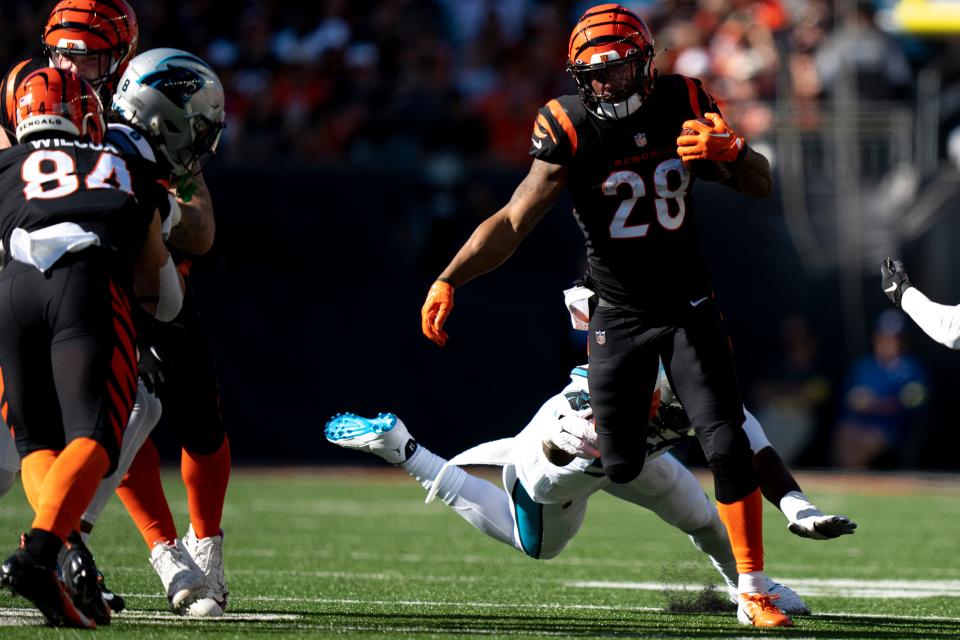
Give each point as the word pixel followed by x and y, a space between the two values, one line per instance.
pixel 24 575
pixel 114 600
pixel 84 582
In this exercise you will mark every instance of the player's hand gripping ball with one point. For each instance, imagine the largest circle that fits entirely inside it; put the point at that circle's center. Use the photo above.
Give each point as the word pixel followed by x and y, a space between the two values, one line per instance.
pixel 708 147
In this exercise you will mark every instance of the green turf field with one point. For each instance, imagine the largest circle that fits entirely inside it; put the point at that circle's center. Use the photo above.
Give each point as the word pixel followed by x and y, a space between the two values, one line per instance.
pixel 323 555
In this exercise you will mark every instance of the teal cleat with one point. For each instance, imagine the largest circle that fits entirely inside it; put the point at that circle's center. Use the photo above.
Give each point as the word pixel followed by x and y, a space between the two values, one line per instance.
pixel 385 435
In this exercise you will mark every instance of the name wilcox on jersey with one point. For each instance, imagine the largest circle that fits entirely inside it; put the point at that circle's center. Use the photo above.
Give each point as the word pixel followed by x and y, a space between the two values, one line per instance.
pixel 50 181
pixel 632 202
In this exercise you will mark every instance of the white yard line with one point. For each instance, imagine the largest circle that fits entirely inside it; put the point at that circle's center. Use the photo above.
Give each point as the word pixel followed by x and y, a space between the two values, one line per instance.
pixel 16 616
pixel 834 587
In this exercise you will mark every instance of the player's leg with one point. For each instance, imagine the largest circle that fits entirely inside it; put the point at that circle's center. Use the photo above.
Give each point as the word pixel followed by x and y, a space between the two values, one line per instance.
pixel 141 492
pixel 84 318
pixel 621 378
pixel 192 408
pixel 143 418
pixel 30 406
pixel 479 502
pixel 668 489
pixel 782 490
pixel 699 363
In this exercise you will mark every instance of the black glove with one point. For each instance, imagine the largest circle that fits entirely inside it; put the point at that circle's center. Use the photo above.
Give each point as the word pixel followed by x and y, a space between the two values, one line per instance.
pixel 895 279
pixel 151 370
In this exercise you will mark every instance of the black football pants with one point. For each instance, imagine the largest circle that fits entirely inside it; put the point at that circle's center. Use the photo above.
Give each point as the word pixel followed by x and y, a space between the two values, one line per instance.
pixel 67 354
pixel 696 353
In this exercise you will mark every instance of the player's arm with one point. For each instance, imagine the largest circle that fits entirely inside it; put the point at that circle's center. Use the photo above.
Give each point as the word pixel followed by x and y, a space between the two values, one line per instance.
pixel 5 142
pixel 156 281
pixel 751 174
pixel 939 321
pixel 195 231
pixel 493 241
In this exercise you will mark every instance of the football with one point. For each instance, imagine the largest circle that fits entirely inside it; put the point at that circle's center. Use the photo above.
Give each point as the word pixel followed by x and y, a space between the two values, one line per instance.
pixel 706 169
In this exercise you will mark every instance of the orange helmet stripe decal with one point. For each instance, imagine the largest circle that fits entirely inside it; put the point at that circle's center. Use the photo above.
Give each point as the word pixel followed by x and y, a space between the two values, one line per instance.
pixel 694 99
pixel 565 122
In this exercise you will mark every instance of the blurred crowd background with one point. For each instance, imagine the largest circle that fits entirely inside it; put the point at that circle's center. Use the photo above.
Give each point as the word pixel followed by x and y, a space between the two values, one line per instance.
pixel 391 127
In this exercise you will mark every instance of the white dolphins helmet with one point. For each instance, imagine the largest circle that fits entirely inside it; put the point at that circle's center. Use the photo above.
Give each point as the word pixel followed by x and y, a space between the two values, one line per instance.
pixel 176 100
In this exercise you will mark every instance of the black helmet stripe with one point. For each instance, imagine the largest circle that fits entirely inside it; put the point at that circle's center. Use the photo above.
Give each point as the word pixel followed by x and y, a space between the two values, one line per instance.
pixel 600 40
pixel 619 10
pixel 80 26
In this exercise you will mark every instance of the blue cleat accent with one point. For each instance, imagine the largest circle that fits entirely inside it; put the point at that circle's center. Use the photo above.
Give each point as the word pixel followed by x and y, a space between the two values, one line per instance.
pixel 345 426
pixel 385 435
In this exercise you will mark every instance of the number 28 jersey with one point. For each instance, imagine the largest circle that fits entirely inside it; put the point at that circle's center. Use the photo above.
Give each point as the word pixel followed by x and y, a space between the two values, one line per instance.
pixel 631 194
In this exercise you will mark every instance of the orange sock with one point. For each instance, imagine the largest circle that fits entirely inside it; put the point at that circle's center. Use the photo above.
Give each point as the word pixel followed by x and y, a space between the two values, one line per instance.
pixel 744 522
pixel 206 478
pixel 141 492
pixel 69 486
pixel 33 469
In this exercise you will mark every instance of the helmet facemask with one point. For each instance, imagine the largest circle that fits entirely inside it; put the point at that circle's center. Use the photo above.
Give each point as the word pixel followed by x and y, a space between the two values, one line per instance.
pixel 615 87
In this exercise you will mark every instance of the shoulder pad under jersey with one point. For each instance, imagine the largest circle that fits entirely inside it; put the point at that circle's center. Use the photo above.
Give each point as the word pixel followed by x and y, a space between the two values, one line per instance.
pixel 129 141
pixel 555 136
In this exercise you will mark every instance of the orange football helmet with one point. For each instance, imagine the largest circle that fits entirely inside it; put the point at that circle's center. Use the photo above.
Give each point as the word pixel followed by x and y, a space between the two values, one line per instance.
pixel 58 100
pixel 610 57
pixel 93 28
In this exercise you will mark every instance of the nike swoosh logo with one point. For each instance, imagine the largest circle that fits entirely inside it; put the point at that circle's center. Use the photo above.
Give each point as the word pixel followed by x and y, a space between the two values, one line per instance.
pixel 536 143
pixel 891 288
pixel 694 303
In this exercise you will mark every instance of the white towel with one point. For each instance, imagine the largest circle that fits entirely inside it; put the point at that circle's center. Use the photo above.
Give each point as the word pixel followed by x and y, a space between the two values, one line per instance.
pixel 43 247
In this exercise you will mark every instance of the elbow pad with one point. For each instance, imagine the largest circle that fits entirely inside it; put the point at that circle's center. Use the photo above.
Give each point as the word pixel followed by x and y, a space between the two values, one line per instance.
pixel 170 296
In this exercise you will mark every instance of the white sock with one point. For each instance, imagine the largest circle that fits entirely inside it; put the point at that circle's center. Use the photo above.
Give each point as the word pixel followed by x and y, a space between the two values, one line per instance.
pixel 144 417
pixel 713 541
pixel 796 505
pixel 481 503
pixel 753 582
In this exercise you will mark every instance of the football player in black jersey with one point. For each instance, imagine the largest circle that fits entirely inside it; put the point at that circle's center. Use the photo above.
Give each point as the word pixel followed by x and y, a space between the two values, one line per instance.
pixel 97 39
pixel 94 39
pixel 82 233
pixel 626 148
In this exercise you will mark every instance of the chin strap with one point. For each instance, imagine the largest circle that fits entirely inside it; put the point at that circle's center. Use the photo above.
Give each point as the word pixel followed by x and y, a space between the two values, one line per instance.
pixel 619 110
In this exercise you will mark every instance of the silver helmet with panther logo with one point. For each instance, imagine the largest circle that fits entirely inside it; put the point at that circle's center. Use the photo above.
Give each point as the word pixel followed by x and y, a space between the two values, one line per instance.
pixel 176 101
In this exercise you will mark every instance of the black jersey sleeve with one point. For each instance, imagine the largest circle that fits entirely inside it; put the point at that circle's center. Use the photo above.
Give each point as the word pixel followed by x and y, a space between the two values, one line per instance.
pixel 554 137
pixel 701 102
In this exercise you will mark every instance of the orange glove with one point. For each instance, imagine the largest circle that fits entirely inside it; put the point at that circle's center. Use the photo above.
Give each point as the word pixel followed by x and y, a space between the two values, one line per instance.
pixel 435 310
pixel 710 139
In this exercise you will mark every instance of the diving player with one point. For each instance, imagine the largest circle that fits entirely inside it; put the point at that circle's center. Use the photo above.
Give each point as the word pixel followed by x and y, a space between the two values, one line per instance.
pixel 550 469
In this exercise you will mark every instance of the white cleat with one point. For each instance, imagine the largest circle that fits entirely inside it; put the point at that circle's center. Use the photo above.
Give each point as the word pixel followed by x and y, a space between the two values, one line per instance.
pixel 817 526
pixel 182 579
pixel 207 553
pixel 788 601
pixel 385 435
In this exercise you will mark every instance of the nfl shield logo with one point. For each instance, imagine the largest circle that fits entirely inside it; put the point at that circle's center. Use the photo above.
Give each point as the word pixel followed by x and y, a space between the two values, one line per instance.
pixel 601 337
pixel 640 139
